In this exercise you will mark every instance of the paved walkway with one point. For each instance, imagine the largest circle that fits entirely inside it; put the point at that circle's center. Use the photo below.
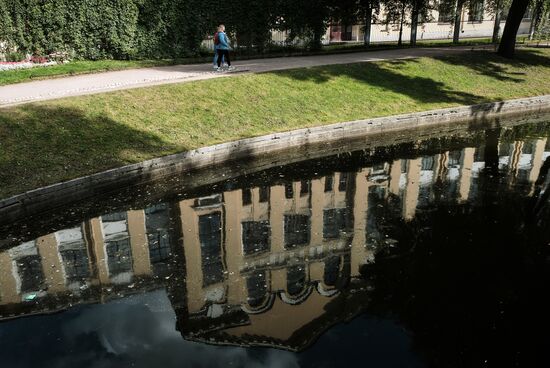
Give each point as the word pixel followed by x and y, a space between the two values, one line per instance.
pixel 134 78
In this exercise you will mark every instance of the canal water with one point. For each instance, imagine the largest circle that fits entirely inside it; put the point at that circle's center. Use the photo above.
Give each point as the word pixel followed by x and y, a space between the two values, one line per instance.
pixel 433 252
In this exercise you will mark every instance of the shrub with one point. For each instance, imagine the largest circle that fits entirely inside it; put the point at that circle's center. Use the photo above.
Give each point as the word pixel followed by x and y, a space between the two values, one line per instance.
pixel 15 56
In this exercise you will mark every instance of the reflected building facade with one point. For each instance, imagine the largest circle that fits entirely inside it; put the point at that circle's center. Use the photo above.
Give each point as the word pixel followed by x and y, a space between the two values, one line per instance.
pixel 257 266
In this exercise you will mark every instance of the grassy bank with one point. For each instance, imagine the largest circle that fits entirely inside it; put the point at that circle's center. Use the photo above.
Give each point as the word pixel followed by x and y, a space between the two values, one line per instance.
pixel 88 67
pixel 44 143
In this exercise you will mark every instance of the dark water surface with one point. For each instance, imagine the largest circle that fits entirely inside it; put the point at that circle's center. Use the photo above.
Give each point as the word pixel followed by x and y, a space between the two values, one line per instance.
pixel 432 252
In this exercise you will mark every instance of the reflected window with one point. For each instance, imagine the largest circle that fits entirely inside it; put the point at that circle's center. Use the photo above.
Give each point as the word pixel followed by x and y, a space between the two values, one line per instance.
pixel 210 236
pixel 427 163
pixel 332 269
pixel 304 187
pixel 343 183
pixel 74 252
pixel 212 200
pixel 255 236
pixel 30 272
pixel 379 168
pixel 404 166
pixel 296 230
pixel 119 256
pixel 264 194
pixel 504 149
pixel 376 201
pixel 157 225
pixel 454 158
pixel 76 264
pixel 117 243
pixel 247 197
pixel 528 147
pixel 296 279
pixel 256 285
pixel 118 216
pixel 289 191
pixel 329 183
pixel 479 155
pixel 335 220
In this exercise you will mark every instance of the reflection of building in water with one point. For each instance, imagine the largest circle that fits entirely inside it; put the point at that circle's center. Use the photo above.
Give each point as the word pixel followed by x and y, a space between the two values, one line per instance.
pixel 111 252
pixel 263 265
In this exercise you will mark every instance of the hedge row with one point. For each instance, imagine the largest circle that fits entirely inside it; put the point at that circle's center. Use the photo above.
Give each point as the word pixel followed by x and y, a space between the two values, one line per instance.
pixel 121 29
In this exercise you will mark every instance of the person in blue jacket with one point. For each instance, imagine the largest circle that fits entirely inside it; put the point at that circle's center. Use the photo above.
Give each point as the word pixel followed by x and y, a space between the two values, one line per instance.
pixel 223 48
pixel 216 42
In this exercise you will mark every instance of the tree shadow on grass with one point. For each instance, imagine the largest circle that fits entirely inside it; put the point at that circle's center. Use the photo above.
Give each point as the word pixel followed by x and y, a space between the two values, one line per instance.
pixel 490 64
pixel 420 89
pixel 41 145
pixel 388 76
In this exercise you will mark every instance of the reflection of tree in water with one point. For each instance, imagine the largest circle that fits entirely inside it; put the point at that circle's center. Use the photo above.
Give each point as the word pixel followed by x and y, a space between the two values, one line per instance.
pixel 470 281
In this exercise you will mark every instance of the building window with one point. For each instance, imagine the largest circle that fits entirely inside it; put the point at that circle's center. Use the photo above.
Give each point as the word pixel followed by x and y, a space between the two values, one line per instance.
pixel 119 256
pixel 375 208
pixel 73 250
pixel 404 166
pixel 304 187
pixel 255 236
pixel 296 230
pixel 247 197
pixel 213 200
pixel 296 279
pixel 30 272
pixel 113 217
pixel 427 163
pixel 332 269
pixel 264 194
pixel 157 225
pixel 334 221
pixel 210 236
pixel 343 183
pixel 289 191
pixel 475 11
pixel 75 261
pixel 329 183
pixel 479 155
pixel 454 158
pixel 256 285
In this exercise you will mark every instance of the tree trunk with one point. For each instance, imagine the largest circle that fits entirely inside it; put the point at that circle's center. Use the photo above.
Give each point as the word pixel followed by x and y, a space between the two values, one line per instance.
pixel 496 28
pixel 507 45
pixel 458 21
pixel 368 22
pixel 414 23
pixel 400 41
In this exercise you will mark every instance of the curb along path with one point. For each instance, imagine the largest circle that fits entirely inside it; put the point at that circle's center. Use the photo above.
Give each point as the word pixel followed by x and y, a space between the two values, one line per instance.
pixel 135 78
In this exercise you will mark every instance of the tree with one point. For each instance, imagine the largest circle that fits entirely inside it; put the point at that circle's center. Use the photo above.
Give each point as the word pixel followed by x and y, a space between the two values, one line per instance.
pixel 541 14
pixel 507 45
pixel 395 13
pixel 420 9
pixel 307 19
pixel 497 8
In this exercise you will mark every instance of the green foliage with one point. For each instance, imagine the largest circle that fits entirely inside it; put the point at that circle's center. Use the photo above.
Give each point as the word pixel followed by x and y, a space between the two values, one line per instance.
pixel 92 29
pixel 15 56
pixel 542 19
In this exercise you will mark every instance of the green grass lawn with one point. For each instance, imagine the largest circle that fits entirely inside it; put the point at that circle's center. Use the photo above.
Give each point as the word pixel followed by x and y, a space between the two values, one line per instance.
pixel 48 142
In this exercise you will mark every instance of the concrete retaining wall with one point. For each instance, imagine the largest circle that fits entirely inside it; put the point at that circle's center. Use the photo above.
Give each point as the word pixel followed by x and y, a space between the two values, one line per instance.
pixel 247 150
